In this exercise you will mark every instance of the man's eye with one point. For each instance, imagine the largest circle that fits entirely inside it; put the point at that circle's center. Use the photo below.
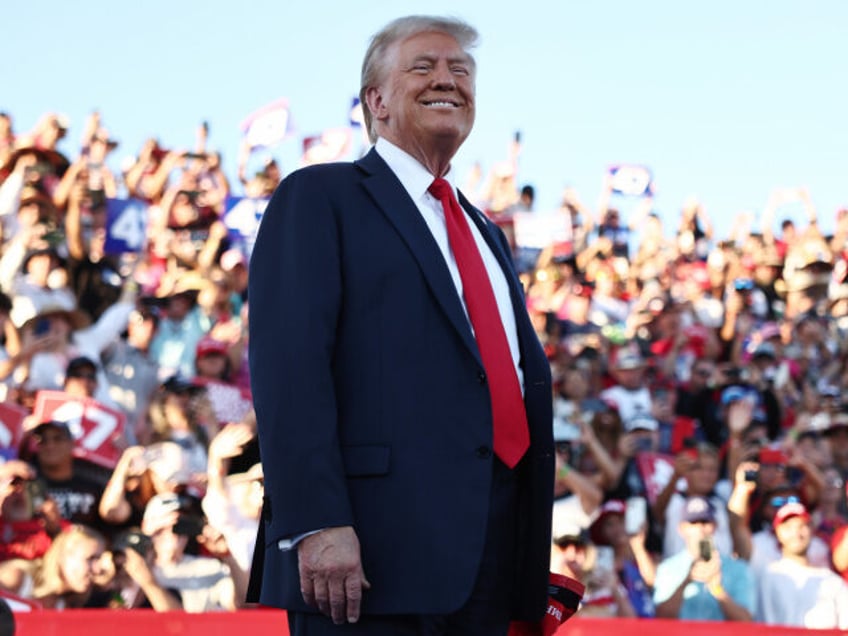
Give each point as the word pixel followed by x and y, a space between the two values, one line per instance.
pixel 460 70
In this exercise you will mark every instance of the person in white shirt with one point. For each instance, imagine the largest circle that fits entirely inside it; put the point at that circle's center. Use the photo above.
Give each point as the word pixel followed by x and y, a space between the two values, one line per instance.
pixel 629 395
pixel 793 592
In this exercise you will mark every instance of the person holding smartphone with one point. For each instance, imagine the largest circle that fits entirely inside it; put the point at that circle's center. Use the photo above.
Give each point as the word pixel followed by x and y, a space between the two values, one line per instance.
pixel 699 582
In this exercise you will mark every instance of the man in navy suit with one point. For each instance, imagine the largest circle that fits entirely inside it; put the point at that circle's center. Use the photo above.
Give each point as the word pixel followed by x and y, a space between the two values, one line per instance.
pixel 393 504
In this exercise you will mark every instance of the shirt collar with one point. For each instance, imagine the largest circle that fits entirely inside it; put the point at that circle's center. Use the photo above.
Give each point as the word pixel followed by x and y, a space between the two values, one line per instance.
pixel 413 176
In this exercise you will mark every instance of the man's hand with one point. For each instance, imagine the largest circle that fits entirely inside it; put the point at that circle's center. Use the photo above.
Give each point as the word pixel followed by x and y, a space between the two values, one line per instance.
pixel 707 571
pixel 331 575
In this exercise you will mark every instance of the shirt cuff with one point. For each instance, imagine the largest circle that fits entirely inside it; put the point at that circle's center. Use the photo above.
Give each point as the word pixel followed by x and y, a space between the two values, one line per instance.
pixel 284 545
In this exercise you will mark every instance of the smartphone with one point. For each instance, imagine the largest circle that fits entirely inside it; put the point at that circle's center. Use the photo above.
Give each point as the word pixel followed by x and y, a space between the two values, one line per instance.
pixel 705 549
pixel 605 560
pixel 751 475
pixel 682 434
pixel 37 492
pixel 635 515
pixel 42 327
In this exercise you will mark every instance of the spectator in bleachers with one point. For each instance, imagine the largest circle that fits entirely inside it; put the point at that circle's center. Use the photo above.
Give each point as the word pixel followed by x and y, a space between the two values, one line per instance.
pixel 133 584
pixel 7 137
pixel 836 436
pixel 131 374
pixel 71 568
pixel 576 496
pixel 633 564
pixel 70 338
pixel 181 327
pixel 75 492
pixel 28 522
pixel 80 378
pixel 761 548
pixel 698 466
pixel 699 582
pixel 141 473
pixel 180 412
pixel 831 512
pixel 630 395
pixel 233 502
pixel 204 583
pixel 793 592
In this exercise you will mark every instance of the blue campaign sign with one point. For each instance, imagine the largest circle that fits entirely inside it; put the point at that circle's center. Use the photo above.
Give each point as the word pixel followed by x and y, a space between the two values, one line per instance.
pixel 242 218
pixel 126 225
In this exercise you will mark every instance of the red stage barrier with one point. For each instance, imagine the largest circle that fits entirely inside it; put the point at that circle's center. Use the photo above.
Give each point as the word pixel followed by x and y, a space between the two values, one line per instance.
pixel 266 622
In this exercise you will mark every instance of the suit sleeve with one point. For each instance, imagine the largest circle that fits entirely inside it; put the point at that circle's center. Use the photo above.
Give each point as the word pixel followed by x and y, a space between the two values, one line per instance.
pixel 295 300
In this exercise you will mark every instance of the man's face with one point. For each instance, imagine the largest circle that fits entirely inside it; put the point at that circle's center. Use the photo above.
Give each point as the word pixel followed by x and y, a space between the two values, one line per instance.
pixel 630 379
pixel 701 373
pixel 54 446
pixel 426 99
pixel 704 474
pixel 81 382
pixel 694 533
pixel 794 536
pixel 14 501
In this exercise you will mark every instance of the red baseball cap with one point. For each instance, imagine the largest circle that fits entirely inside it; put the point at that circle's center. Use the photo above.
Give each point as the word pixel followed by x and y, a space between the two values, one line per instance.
pixel 789 510
pixel 208 345
pixel 611 507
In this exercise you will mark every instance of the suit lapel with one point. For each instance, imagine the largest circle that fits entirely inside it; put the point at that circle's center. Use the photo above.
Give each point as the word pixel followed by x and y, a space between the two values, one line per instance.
pixel 391 198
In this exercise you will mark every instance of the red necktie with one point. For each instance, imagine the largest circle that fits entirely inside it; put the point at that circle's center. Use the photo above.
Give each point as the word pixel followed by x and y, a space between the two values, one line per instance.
pixel 509 419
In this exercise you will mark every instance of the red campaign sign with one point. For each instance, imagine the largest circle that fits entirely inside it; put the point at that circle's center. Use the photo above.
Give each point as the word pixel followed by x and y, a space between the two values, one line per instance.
pixel 656 470
pixel 93 425
pixel 11 425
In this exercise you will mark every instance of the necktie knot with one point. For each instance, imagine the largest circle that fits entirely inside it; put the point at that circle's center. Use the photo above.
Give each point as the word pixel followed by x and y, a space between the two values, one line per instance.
pixel 440 189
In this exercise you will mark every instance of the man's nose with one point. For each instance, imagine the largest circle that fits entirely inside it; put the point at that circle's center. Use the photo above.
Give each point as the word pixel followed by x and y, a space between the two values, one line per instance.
pixel 442 76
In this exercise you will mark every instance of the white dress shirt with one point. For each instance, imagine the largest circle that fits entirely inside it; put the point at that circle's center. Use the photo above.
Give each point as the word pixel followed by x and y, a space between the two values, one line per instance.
pixel 415 179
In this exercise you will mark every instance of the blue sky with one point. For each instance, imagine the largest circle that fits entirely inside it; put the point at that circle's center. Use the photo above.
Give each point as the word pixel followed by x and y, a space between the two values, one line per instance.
pixel 723 100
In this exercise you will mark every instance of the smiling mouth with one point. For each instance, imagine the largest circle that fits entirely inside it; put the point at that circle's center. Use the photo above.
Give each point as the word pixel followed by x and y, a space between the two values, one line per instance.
pixel 441 103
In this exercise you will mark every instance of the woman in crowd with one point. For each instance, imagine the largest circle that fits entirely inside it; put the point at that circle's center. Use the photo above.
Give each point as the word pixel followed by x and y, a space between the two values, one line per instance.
pixel 71 570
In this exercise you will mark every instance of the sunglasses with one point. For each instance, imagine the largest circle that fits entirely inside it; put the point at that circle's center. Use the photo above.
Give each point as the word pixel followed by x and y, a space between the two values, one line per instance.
pixel 83 376
pixel 779 502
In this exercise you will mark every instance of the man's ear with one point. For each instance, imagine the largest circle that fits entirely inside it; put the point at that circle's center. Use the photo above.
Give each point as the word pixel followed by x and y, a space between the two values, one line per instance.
pixel 376 103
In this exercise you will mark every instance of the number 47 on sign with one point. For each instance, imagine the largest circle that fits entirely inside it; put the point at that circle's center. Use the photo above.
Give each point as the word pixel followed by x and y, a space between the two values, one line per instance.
pixel 95 427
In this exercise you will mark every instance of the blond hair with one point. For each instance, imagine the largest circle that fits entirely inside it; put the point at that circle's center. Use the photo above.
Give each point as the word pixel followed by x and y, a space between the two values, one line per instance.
pixel 49 580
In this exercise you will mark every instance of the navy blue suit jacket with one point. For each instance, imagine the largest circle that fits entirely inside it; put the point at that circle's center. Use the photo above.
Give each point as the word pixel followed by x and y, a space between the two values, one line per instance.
pixel 372 405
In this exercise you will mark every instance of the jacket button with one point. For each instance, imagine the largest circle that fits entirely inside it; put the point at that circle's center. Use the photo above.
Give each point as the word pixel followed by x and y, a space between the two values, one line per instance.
pixel 484 452
pixel 481 377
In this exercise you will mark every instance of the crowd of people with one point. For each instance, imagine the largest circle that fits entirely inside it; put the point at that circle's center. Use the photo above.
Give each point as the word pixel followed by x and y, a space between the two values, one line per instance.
pixel 702 438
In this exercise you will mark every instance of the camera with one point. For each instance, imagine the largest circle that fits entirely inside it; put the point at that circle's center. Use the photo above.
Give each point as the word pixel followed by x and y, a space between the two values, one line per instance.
pixel 751 475
pixel 132 539
pixel 188 525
